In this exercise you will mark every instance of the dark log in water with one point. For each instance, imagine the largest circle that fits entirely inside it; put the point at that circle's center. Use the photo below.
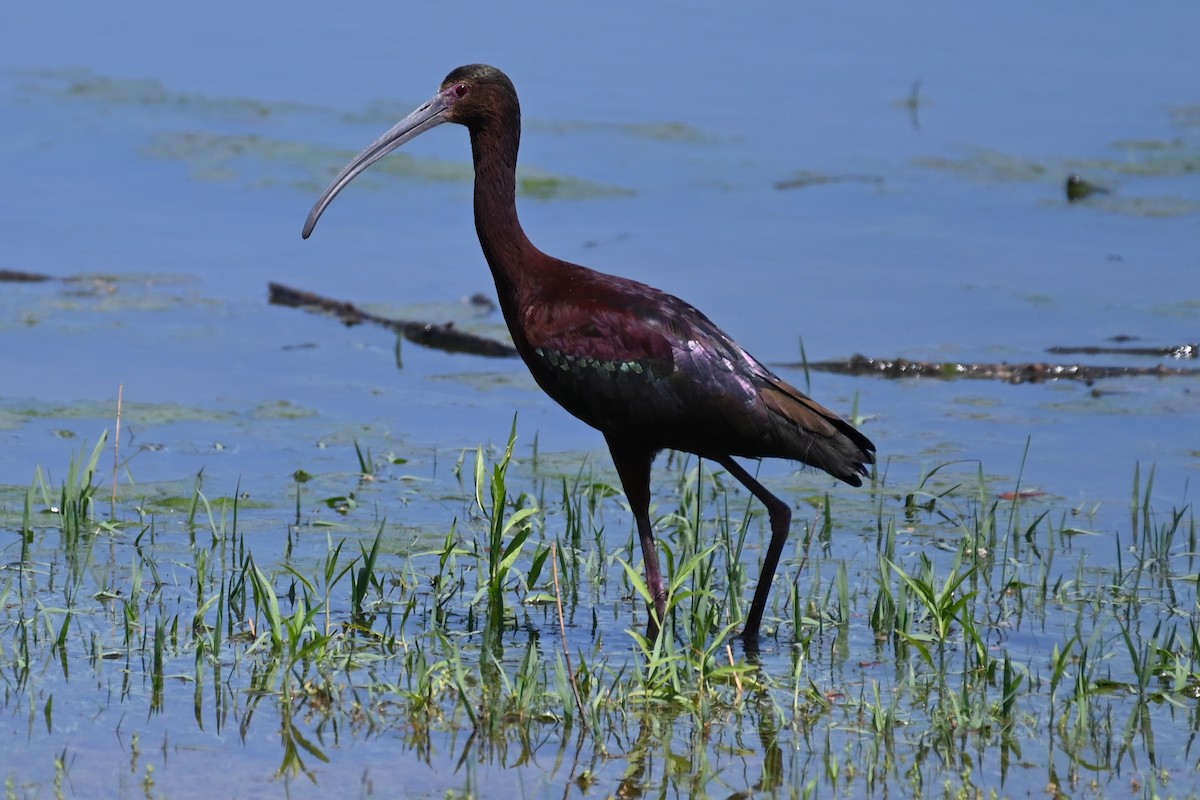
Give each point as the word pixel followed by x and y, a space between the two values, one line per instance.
pixel 440 336
pixel 17 276
pixel 1180 351
pixel 1038 372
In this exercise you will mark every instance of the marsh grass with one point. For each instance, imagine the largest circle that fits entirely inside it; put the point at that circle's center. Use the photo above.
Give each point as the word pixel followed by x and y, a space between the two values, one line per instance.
pixel 954 636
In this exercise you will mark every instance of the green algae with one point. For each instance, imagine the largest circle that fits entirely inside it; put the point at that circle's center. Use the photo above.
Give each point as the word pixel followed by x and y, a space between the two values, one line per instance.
pixel 85 85
pixel 1138 160
pixel 242 158
pixel 257 160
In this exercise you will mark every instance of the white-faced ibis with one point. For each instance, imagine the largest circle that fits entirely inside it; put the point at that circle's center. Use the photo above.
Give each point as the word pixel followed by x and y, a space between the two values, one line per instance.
pixel 643 367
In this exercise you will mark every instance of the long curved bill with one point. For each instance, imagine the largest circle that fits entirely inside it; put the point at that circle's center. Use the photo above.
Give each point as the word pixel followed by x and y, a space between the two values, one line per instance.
pixel 431 114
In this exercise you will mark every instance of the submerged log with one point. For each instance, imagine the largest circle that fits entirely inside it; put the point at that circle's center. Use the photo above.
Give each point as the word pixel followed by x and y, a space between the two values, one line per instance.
pixel 1037 372
pixel 1180 351
pixel 18 276
pixel 437 335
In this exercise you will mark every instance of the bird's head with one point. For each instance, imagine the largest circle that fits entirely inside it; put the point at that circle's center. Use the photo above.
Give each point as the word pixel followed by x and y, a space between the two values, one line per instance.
pixel 477 96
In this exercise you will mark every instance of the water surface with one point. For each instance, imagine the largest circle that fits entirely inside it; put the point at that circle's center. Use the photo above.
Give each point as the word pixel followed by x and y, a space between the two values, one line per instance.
pixel 160 162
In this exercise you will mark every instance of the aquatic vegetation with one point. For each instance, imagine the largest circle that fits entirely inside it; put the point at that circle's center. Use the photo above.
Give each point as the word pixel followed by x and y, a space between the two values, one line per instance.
pixel 1135 161
pixel 928 636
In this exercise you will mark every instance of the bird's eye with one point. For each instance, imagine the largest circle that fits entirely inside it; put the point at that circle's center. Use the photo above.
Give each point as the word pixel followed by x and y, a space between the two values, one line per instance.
pixel 460 90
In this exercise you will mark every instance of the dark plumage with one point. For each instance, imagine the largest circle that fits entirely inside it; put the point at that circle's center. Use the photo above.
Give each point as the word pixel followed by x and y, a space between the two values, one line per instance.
pixel 643 367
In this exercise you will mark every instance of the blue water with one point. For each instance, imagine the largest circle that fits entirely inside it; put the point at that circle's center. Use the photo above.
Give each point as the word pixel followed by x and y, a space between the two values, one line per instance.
pixel 938 256
pixel 936 263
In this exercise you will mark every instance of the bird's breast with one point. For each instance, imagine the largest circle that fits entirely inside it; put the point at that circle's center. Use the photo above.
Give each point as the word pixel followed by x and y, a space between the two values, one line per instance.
pixel 614 395
pixel 589 367
pixel 686 403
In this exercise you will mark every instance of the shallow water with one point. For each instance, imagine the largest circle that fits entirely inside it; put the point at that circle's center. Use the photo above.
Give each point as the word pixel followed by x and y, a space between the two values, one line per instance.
pixel 160 163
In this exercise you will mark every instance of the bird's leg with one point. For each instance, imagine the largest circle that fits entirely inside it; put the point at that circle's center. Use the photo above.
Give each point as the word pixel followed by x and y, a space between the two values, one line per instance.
pixel 781 520
pixel 633 467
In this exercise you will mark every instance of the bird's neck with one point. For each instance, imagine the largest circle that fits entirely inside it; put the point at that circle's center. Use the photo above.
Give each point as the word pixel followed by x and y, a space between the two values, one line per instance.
pixel 513 259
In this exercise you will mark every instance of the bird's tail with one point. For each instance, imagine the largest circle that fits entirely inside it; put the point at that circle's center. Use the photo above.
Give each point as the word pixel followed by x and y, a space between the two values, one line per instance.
pixel 817 436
